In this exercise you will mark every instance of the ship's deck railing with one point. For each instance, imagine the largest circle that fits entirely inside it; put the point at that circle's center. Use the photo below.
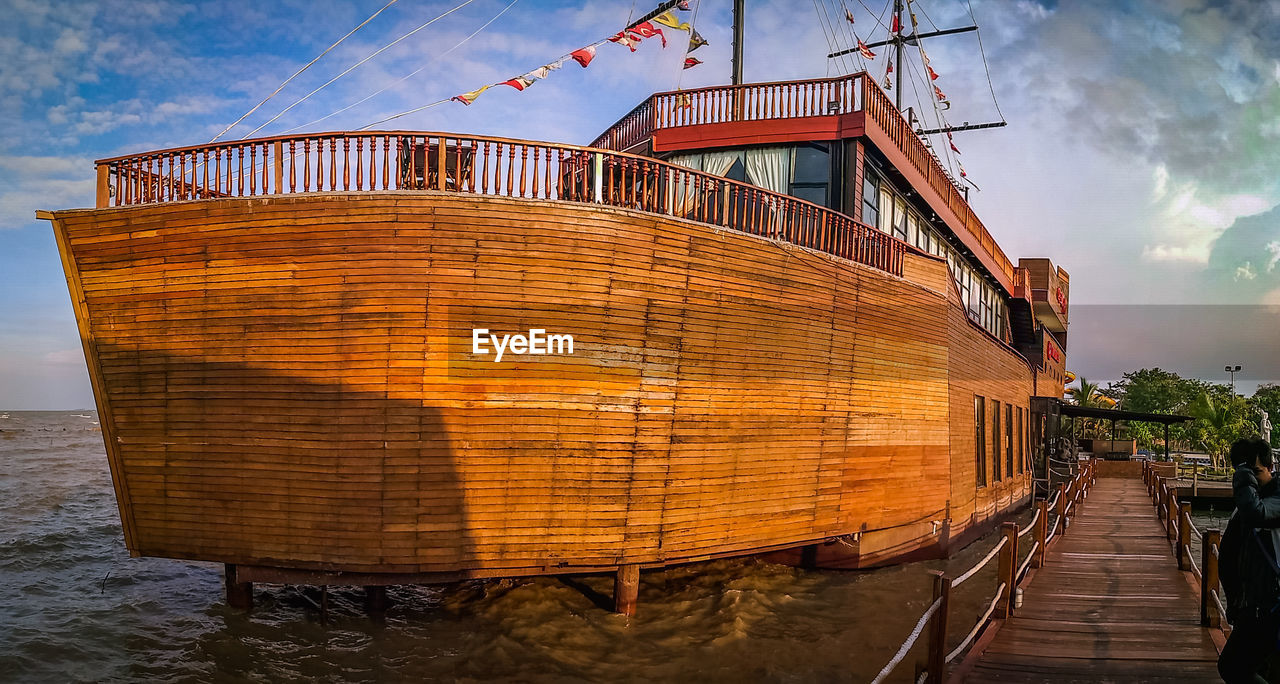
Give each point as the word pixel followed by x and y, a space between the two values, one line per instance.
pixel 1010 574
pixel 409 160
pixel 798 99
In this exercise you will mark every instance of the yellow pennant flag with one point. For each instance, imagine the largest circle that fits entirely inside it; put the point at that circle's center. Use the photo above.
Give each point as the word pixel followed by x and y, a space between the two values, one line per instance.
pixel 468 98
pixel 668 18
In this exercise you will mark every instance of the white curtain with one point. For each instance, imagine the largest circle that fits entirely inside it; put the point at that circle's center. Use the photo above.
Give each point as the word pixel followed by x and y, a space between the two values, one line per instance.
pixel 769 168
pixel 719 163
pixel 681 190
pixel 680 186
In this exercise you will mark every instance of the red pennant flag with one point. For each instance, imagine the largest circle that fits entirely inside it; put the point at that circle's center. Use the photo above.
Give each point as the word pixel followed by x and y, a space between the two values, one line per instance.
pixel 941 95
pixel 954 148
pixel 691 62
pixel 897 25
pixel 683 5
pixel 584 56
pixel 889 69
pixel 848 16
pixel 623 39
pixel 866 51
pixel 519 82
pixel 933 75
pixel 646 30
pixel 962 173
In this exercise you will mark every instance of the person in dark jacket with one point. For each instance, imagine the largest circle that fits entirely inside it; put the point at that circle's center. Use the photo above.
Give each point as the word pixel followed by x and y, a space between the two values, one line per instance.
pixel 1250 574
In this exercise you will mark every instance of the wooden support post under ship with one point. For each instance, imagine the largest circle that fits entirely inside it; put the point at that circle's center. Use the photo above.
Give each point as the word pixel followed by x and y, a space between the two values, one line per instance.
pixel 790 335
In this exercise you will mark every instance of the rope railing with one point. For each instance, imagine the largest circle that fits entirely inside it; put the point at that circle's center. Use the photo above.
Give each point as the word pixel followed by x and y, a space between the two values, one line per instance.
pixel 1031 525
pixel 974 570
pixel 1180 529
pixel 964 644
pixel 1010 574
pixel 906 645
pixel 1022 570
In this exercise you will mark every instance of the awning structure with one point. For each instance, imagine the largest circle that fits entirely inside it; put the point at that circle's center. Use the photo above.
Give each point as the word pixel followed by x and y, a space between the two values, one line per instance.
pixel 1115 415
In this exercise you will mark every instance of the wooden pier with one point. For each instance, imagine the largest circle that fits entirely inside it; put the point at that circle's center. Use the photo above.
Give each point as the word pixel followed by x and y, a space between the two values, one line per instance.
pixel 1110 604
pixel 1104 588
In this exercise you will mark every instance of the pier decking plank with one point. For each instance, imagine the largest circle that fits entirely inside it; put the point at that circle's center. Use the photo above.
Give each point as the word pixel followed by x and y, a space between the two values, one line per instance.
pixel 1110 605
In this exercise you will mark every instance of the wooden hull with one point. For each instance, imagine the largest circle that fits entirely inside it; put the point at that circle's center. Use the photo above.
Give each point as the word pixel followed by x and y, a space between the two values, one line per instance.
pixel 288 382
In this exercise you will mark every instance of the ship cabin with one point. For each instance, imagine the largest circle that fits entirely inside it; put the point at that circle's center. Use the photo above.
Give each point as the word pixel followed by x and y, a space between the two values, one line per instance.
pixel 841 144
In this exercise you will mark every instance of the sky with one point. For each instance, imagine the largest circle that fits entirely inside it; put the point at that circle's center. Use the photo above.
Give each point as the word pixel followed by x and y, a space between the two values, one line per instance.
pixel 1142 151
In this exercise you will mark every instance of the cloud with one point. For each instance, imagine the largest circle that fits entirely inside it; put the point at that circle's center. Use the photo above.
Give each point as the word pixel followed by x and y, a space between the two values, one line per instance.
pixel 37 182
pixel 1246 272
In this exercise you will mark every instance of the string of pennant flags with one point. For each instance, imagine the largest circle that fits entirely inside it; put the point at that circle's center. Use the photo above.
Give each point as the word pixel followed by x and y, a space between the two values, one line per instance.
pixel 942 102
pixel 629 37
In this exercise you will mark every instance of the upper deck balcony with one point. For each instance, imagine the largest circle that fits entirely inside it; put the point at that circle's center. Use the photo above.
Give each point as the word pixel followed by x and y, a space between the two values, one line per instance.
pixel 383 161
pixel 817 109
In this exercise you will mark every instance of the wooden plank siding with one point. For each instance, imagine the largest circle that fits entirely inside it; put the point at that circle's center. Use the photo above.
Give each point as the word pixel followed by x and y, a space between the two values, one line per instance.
pixel 290 383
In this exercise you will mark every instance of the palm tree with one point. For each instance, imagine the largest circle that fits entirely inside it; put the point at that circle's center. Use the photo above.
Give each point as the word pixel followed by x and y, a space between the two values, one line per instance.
pixel 1088 395
pixel 1220 425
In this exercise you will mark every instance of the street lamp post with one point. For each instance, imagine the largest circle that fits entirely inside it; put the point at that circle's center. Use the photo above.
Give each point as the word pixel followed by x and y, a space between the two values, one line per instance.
pixel 1233 370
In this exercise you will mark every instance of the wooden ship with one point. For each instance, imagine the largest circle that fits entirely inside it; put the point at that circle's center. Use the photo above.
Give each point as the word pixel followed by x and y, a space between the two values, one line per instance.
pixel 791 335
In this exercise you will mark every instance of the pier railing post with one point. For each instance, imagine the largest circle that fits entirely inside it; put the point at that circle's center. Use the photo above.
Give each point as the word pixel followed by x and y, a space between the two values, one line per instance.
pixel 1209 580
pixel 1173 513
pixel 1184 536
pixel 1041 533
pixel 938 629
pixel 1008 569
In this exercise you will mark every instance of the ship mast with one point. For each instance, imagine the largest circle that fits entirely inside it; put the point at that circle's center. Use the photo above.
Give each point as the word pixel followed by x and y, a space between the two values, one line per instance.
pixel 899 42
pixel 738 20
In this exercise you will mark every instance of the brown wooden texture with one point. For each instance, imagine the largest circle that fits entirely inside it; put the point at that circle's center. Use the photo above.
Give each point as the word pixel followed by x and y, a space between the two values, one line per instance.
pixel 1109 605
pixel 291 384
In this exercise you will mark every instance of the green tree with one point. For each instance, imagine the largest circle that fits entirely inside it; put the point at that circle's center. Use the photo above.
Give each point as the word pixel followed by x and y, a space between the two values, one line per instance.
pixel 1220 420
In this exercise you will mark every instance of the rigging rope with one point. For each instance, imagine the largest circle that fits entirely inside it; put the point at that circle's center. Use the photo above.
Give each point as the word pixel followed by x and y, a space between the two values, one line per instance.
pixel 415 72
pixel 852 35
pixel 299 71
pixel 357 64
pixel 983 52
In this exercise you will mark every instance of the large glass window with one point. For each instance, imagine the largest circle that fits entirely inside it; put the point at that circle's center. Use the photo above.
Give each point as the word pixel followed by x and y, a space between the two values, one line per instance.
pixel 886 209
pixel 811 173
pixel 980 440
pixel 870 198
pixel 900 218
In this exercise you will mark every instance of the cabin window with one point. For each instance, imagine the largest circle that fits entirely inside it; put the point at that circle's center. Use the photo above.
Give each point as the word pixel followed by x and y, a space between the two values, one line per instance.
pixel 811 173
pixel 1008 439
pixel 980 440
pixel 995 443
pixel 1022 440
pixel 886 209
pixel 870 198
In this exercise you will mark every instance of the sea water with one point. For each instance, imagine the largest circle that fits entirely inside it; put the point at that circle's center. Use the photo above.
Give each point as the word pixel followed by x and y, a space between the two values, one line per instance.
pixel 75 607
